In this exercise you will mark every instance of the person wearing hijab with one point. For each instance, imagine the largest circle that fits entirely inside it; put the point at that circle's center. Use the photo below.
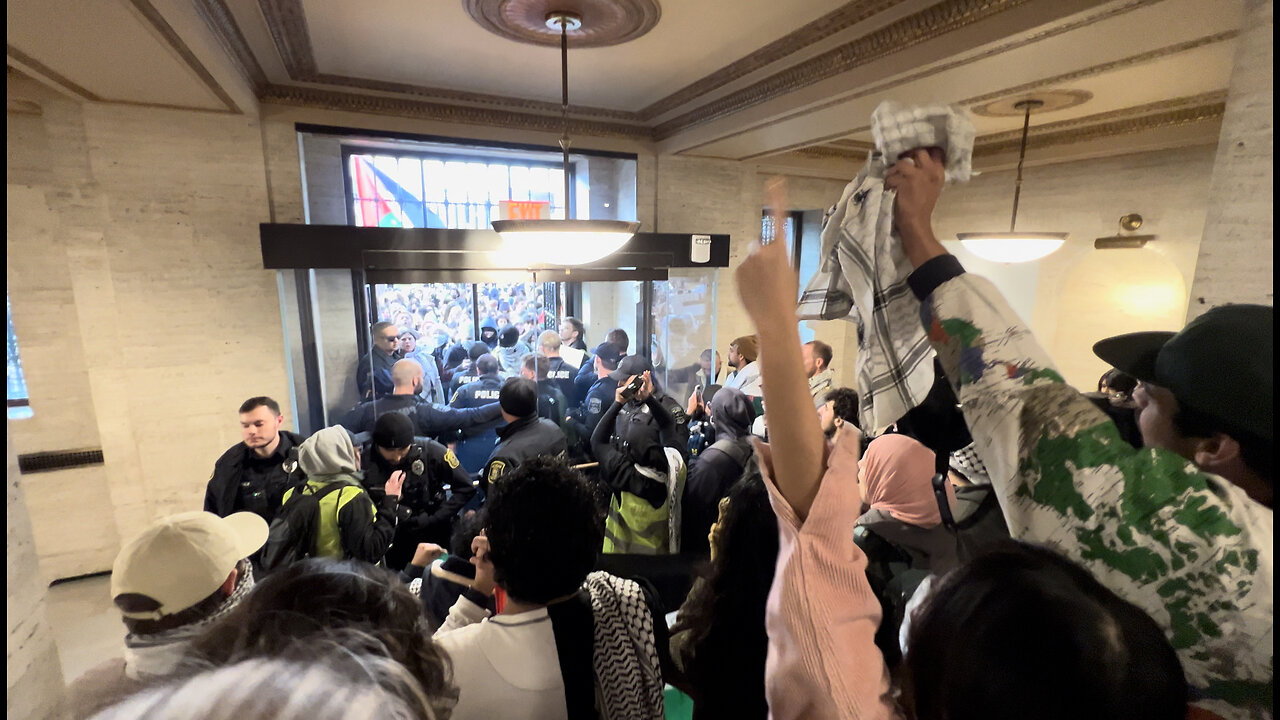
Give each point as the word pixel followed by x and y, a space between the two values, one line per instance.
pixel 717 468
pixel 353 523
pixel 896 476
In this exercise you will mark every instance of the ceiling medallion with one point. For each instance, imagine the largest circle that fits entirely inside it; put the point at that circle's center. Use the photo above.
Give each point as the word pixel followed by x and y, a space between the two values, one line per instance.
pixel 603 22
pixel 1052 100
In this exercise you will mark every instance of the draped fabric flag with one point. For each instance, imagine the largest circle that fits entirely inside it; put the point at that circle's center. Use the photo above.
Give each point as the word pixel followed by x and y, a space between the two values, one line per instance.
pixel 383 202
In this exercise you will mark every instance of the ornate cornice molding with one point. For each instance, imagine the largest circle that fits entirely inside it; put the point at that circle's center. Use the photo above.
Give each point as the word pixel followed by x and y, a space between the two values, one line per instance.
pixel 287 22
pixel 1018 89
pixel 928 24
pixel 470 98
pixel 1104 67
pixel 217 16
pixel 379 105
pixel 830 24
pixel 1142 118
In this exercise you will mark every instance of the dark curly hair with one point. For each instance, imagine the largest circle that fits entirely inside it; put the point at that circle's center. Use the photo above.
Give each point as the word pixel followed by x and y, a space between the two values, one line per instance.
pixel 545 530
pixel 318 596
pixel 725 616
pixel 844 403
pixel 1021 631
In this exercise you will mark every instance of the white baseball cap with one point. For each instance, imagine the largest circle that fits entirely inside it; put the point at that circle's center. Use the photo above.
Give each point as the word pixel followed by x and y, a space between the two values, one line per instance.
pixel 182 559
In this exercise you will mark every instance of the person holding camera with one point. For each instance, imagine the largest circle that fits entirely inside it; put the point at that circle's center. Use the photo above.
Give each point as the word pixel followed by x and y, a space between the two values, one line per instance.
pixel 645 475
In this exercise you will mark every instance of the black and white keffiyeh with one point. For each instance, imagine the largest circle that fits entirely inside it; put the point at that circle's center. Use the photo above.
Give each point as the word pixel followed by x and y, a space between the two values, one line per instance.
pixel 628 678
pixel 864 270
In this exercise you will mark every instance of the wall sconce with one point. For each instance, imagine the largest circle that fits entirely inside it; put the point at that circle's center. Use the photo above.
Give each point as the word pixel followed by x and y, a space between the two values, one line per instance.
pixel 1125 239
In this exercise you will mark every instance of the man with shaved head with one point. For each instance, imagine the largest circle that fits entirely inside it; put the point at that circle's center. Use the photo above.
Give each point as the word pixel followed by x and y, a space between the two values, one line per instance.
pixel 429 420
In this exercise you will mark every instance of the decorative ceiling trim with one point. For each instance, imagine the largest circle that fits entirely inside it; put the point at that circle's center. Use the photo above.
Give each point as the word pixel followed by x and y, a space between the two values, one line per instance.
pixel 830 24
pixel 1143 118
pixel 1083 73
pixel 378 105
pixel 1178 111
pixel 170 36
pixel 1091 71
pixel 217 16
pixel 287 22
pixel 51 75
pixel 462 96
pixel 603 22
pixel 928 24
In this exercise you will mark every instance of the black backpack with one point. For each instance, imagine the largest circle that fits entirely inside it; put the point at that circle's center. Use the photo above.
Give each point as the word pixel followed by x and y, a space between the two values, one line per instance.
pixel 292 534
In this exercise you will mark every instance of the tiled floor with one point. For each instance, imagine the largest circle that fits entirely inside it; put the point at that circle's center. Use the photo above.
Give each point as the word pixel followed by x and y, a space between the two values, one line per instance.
pixel 86 626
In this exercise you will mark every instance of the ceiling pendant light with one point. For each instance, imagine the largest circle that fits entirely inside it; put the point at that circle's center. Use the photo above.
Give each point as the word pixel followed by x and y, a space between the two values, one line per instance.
pixel 563 242
pixel 1012 246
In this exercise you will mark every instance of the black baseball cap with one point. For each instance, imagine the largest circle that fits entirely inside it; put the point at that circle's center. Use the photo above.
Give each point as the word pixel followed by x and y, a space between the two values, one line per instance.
pixel 519 397
pixel 476 349
pixel 610 354
pixel 1220 364
pixel 630 365
pixel 393 430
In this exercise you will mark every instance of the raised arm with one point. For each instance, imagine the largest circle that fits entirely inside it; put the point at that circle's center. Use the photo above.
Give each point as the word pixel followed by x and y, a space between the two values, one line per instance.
pixel 768 288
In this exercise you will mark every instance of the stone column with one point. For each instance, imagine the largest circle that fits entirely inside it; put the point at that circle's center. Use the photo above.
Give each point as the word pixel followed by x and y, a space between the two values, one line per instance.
pixel 35 686
pixel 1236 249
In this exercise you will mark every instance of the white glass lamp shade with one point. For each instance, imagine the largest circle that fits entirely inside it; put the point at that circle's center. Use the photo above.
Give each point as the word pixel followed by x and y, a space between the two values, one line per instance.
pixel 1012 247
pixel 562 242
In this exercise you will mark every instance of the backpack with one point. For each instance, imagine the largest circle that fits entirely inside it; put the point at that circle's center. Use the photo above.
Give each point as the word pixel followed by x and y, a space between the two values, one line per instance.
pixel 292 534
pixel 738 452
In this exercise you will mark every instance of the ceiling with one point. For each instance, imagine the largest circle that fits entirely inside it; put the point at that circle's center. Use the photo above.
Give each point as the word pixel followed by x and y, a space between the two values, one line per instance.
pixel 736 79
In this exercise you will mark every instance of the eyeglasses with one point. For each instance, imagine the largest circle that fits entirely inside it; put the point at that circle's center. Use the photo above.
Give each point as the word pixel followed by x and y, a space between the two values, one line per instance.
pixel 390 338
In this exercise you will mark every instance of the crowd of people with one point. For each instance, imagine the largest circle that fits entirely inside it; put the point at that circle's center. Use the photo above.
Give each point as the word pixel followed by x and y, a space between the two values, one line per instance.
pixel 493 531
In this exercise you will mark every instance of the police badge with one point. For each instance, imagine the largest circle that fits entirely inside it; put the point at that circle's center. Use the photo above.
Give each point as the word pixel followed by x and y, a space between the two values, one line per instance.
pixel 417 467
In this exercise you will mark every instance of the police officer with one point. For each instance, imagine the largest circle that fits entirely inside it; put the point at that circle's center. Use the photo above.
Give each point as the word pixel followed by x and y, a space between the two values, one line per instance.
pixel 551 402
pixel 254 474
pixel 468 372
pixel 525 435
pixel 477 443
pixel 600 396
pixel 559 370
pixel 435 485
pixel 635 416
pixel 429 420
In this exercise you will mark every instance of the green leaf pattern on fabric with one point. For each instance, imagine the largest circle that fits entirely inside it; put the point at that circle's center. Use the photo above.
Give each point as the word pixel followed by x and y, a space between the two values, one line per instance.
pixel 1185 546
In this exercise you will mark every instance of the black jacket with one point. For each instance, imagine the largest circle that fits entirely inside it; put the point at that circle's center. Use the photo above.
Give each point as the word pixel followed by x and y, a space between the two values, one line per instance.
pixel 617 467
pixel 562 373
pixel 641 415
pixel 429 420
pixel 585 380
pixel 519 441
pixel 381 364
pixel 223 496
pixel 426 511
pixel 712 474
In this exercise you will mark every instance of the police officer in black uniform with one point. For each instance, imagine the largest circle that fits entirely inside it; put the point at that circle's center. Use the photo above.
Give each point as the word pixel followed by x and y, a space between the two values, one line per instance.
pixel 468 372
pixel 635 417
pixel 436 486
pixel 429 420
pixel 254 474
pixel 477 443
pixel 600 396
pixel 525 435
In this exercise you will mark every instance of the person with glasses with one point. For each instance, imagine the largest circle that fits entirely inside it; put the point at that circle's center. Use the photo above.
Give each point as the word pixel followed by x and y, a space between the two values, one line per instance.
pixel 373 372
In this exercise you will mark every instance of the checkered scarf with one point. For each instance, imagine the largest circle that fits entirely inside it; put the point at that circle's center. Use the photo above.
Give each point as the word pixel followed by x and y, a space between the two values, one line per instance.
pixel 863 277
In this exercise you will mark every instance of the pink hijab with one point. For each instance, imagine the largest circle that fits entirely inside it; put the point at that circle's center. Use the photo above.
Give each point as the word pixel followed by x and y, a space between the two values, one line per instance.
pixel 896 474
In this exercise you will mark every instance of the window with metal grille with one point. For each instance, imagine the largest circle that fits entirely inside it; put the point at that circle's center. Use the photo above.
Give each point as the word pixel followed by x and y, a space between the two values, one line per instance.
pixel 445 191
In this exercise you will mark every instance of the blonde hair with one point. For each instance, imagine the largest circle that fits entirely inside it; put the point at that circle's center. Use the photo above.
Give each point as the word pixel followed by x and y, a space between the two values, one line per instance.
pixel 549 340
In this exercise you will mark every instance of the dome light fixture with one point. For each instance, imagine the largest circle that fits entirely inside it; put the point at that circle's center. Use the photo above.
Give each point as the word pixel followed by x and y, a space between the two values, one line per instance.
pixel 563 242
pixel 1013 246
